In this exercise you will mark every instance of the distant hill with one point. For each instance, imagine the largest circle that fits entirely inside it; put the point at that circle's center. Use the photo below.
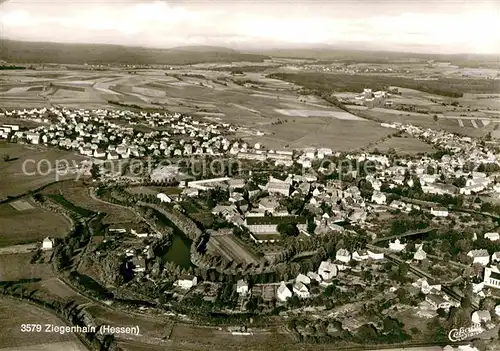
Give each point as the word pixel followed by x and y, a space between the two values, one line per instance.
pixel 204 48
pixel 44 52
pixel 329 53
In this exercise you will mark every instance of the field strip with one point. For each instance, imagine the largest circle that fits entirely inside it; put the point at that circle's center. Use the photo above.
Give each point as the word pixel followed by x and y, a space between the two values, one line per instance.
pixel 460 122
pixel 473 122
pixel 15 249
pixel 244 108
pixel 54 346
pixel 21 205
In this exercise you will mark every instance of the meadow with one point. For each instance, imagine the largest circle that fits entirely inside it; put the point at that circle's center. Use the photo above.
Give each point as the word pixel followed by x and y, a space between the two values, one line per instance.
pixel 16 229
pixel 78 195
pixel 403 146
pixel 14 313
pixel 26 172
pixel 232 249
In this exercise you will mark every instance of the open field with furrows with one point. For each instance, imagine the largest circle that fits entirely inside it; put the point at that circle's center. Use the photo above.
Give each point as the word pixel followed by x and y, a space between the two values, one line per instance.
pixel 78 194
pixel 451 125
pixel 14 267
pixel 14 313
pixel 405 145
pixel 31 225
pixel 152 330
pixel 250 99
pixel 215 339
pixel 337 134
pixel 232 249
pixel 31 167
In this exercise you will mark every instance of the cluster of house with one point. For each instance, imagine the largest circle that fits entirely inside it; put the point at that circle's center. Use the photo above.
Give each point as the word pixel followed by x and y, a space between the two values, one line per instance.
pixel 98 134
pixel 327 271
pixel 304 157
pixel 491 263
pixel 6 129
pixel 461 151
pixel 437 299
pixel 330 203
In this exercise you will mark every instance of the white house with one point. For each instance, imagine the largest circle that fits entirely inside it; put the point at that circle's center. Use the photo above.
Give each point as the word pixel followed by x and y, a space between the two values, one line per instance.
pixel 186 281
pixel 47 243
pixel 327 270
pixel 492 277
pixel 492 236
pixel 396 246
pixel 360 256
pixel 479 317
pixel 420 255
pixel 113 155
pixel 343 255
pixel 283 293
pixel 439 212
pixel 242 287
pixel 301 278
pixel 480 256
pixel 375 255
pixel 314 276
pixel 139 233
pixel 164 198
pixel 497 310
pixel 300 290
pixel 99 153
pixel 378 198
pixel 437 301
pixel 426 288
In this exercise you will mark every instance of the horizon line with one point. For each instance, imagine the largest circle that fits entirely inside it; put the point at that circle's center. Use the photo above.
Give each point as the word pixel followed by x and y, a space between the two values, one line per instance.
pixel 253 48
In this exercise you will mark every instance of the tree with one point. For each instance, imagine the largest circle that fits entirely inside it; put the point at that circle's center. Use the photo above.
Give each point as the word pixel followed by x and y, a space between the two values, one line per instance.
pixel 403 269
pixel 6 158
pixel 460 182
pixel 311 226
pixel 95 172
pixel 288 229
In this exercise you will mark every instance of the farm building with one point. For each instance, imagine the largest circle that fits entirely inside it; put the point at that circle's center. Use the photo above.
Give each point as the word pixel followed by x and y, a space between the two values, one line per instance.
pixel 439 212
pixel 269 225
pixel 492 277
pixel 327 270
pixel 139 264
pixel 186 281
pixel 242 287
pixel 301 290
pixel 480 256
pixel 47 243
pixel 276 186
pixel 206 184
pixel 164 198
pixel 283 293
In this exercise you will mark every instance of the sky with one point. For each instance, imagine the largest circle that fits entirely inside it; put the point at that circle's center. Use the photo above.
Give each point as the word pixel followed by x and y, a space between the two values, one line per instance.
pixel 441 26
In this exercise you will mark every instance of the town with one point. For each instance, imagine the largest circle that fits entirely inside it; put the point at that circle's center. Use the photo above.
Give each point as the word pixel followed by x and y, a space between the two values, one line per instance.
pixel 287 231
pixel 237 175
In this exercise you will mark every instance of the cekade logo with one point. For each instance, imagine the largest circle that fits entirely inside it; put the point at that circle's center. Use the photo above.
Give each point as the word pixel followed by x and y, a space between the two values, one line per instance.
pixel 464 333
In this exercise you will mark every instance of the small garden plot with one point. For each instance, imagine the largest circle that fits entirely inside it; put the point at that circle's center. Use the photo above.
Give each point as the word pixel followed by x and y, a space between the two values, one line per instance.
pixel 21 205
pixel 16 90
pixel 229 247
pixel 319 113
